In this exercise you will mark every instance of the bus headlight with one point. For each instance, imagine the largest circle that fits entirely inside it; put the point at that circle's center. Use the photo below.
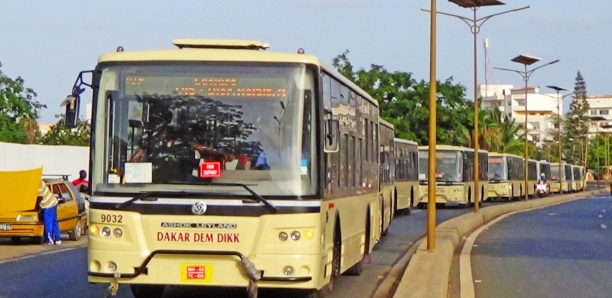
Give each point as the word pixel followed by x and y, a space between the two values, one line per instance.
pixel 112 267
pixel 288 271
pixel 283 236
pixel 105 231
pixel 118 232
pixel 295 235
pixel 93 230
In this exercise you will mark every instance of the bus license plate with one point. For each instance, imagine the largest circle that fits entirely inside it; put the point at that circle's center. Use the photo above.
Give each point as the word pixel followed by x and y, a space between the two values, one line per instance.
pixel 196 273
pixel 5 227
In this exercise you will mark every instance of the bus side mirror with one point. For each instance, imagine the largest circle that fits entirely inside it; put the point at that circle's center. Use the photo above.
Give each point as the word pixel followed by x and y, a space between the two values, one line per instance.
pixel 71 115
pixel 332 131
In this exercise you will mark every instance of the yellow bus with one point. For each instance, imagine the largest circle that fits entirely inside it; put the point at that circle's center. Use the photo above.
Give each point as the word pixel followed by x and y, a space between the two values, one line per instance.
pixel 566 185
pixel 387 173
pixel 556 185
pixel 221 164
pixel 406 174
pixel 578 178
pixel 533 172
pixel 454 175
pixel 506 176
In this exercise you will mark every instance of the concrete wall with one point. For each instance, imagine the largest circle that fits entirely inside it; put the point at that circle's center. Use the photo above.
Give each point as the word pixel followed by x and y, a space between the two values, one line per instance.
pixel 54 159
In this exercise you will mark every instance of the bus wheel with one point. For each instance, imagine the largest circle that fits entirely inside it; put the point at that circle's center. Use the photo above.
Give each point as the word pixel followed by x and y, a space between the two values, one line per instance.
pixel 326 290
pixel 150 291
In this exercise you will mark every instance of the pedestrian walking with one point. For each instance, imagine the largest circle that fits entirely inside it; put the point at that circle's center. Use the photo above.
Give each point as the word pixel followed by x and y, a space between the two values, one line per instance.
pixel 48 203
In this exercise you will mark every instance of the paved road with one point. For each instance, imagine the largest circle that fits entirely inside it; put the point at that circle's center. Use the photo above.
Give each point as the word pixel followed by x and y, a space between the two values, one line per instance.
pixel 32 270
pixel 559 251
pixel 60 271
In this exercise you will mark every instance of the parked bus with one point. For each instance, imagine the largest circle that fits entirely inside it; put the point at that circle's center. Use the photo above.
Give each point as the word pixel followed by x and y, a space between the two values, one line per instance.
pixel 454 175
pixel 545 169
pixel 578 178
pixel 567 185
pixel 406 174
pixel 221 164
pixel 533 172
pixel 387 173
pixel 556 185
pixel 506 176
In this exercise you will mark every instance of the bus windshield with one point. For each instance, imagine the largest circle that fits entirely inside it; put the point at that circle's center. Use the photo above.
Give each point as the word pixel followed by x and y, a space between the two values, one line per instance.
pixel 449 166
pixel 498 169
pixel 160 126
pixel 554 173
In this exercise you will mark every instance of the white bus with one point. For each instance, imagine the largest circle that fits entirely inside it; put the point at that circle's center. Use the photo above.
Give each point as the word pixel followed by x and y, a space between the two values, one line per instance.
pixel 455 185
pixel 406 174
pixel 222 164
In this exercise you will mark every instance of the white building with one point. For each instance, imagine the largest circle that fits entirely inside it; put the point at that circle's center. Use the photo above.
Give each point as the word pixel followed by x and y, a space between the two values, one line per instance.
pixel 511 101
pixel 599 105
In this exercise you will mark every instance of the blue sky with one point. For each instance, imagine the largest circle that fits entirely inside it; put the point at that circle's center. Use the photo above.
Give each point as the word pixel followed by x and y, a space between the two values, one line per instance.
pixel 48 42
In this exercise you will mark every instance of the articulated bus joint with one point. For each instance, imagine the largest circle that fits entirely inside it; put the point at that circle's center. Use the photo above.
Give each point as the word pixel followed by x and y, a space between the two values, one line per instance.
pixel 249 267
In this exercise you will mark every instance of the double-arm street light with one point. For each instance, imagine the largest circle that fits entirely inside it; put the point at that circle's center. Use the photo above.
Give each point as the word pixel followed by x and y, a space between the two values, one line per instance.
pixel 525 74
pixel 475 24
pixel 559 103
pixel 597 119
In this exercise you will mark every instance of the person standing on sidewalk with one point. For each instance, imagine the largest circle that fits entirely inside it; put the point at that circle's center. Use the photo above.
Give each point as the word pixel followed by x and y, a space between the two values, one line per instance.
pixel 48 203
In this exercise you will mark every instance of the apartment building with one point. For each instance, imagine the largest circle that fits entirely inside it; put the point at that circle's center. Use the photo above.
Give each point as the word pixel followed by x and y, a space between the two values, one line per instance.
pixel 600 105
pixel 511 101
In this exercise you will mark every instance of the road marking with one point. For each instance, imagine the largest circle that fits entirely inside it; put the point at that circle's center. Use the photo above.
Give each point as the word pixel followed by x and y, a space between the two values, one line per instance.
pixel 603 226
pixel 465 262
pixel 466 280
pixel 36 255
pixel 599 216
pixel 552 214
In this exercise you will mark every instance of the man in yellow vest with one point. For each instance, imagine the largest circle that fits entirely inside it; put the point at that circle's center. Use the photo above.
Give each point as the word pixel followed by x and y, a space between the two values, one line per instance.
pixel 48 203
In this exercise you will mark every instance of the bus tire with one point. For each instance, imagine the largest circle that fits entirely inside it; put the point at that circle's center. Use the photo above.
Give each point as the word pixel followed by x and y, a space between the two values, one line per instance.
pixel 326 290
pixel 147 291
pixel 383 231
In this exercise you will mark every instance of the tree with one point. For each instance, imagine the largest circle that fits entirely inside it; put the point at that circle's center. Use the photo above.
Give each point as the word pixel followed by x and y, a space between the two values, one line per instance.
pixel 59 134
pixel 404 102
pixel 577 120
pixel 18 110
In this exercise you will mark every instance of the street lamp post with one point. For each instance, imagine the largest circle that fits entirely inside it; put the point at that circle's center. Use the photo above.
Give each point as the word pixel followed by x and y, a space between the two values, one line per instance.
pixel 597 119
pixel 606 157
pixel 526 60
pixel 431 181
pixel 559 102
pixel 475 25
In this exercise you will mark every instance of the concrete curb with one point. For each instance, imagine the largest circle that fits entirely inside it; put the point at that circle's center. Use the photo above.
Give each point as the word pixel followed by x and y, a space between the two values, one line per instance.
pixel 427 274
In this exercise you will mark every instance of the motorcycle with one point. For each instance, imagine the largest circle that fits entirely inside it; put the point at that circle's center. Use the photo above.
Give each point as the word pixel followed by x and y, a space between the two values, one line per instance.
pixel 542 189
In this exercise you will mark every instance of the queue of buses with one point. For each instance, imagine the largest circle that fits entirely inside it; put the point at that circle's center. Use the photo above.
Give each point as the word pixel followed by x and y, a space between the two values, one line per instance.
pixel 221 164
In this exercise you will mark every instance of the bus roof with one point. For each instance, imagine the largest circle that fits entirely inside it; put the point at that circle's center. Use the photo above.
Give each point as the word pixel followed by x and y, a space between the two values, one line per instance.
pixel 398 140
pixel 496 154
pixel 384 122
pixel 451 147
pixel 219 50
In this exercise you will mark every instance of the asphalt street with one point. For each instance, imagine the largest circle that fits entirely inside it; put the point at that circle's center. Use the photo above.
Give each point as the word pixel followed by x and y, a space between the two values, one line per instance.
pixel 559 251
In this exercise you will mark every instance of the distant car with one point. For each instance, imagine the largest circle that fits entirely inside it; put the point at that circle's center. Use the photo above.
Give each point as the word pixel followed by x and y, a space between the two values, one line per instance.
pixel 26 219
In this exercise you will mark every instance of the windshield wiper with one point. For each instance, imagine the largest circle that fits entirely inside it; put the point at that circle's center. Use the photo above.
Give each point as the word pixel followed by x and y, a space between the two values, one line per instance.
pixel 149 196
pixel 245 186
pixel 251 191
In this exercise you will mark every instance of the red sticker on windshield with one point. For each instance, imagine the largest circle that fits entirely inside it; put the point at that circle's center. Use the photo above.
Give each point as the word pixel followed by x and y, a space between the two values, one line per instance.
pixel 210 169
